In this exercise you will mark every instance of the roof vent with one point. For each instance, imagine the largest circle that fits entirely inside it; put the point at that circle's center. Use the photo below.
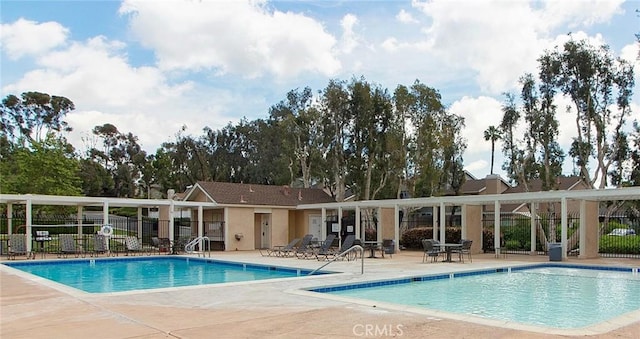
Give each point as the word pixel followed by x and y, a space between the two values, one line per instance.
pixel 251 189
pixel 300 195
pixel 242 199
pixel 286 190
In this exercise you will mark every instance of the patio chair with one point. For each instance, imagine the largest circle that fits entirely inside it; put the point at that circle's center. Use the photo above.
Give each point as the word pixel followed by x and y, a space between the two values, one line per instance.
pixel 17 246
pixel 304 246
pixel 68 246
pixel 388 247
pixel 133 246
pixel 430 250
pixel 326 248
pixel 161 245
pixel 285 251
pixel 464 249
pixel 99 245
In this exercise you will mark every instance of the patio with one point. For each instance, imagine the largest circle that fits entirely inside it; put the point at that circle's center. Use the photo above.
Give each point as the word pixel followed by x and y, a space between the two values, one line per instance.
pixel 32 308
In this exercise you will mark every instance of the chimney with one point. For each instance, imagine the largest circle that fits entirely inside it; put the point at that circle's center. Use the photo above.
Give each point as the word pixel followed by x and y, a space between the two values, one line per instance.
pixel 493 184
pixel 300 195
pixel 171 193
pixel 286 190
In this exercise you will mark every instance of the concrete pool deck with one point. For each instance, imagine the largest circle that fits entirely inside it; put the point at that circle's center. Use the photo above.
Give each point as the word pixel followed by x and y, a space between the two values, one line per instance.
pixel 36 308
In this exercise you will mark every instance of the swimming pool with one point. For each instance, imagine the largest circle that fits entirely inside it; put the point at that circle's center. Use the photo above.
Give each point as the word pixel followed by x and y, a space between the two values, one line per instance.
pixel 554 296
pixel 118 275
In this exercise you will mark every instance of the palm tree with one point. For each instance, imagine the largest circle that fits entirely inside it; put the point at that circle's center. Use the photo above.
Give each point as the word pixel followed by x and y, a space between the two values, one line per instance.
pixel 492 133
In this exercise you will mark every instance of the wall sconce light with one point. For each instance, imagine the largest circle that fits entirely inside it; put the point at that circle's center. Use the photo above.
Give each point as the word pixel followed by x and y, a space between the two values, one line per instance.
pixel 239 236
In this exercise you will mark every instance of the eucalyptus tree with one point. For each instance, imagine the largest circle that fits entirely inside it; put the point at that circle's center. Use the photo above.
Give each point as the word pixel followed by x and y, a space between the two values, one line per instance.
pixel 336 124
pixel 543 154
pixel 492 133
pixel 298 124
pixel 34 116
pixel 122 157
pixel 600 88
pixel 514 164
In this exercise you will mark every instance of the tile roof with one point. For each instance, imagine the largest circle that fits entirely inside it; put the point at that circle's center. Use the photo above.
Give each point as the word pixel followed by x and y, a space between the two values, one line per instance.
pixel 267 195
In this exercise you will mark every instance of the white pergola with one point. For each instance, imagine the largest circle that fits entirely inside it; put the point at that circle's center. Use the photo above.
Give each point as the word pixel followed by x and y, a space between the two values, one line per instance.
pixel 29 200
pixel 583 196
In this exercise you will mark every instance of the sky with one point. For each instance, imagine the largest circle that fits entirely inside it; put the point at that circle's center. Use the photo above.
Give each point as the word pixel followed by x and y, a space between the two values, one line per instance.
pixel 154 67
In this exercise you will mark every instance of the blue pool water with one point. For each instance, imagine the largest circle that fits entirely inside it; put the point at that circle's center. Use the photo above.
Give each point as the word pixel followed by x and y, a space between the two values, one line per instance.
pixel 559 297
pixel 117 275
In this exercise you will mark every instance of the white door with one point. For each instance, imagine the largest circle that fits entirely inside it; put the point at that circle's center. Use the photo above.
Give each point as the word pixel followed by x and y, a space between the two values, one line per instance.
pixel 315 226
pixel 266 231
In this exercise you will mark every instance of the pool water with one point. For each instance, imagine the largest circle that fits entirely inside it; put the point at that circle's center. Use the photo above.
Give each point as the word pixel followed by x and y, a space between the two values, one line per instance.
pixel 118 275
pixel 564 298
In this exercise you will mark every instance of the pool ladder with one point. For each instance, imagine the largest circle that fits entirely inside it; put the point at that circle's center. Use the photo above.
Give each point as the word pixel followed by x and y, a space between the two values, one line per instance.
pixel 190 246
pixel 352 248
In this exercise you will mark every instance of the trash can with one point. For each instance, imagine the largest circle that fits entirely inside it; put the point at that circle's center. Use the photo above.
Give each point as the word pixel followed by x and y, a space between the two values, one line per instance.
pixel 555 251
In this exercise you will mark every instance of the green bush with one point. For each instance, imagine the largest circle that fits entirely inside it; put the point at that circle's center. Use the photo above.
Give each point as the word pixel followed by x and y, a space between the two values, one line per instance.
pixel 512 244
pixel 619 245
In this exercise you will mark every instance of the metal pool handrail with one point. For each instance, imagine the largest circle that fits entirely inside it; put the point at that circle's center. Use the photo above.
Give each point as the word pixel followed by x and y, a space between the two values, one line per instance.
pixel 189 246
pixel 354 247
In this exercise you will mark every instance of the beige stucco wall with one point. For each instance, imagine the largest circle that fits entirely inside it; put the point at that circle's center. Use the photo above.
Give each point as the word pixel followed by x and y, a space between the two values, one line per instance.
pixel 387 223
pixel 473 224
pixel 280 227
pixel 240 221
pixel 593 231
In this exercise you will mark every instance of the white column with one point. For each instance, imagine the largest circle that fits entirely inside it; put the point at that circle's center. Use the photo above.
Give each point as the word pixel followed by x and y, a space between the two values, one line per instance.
pixel 463 226
pixel 140 223
pixel 323 216
pixel 105 220
pixel 79 219
pixel 534 216
pixel 564 232
pixel 496 226
pixel 583 228
pixel 201 226
pixel 28 224
pixel 443 217
pixel 171 223
pixel 359 233
pixel 396 230
pixel 434 222
pixel 227 240
pixel 9 218
pixel 379 224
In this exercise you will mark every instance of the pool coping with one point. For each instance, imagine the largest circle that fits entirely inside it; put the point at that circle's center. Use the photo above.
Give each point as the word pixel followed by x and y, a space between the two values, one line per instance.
pixel 594 329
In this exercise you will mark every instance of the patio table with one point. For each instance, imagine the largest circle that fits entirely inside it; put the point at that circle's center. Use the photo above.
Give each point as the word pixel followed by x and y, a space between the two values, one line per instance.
pixel 448 248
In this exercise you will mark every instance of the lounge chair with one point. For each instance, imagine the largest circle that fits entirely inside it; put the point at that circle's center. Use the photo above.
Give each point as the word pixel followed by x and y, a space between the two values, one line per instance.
pixel 276 251
pixel 99 245
pixel 68 246
pixel 347 243
pixel 18 246
pixel 326 248
pixel 305 245
pixel 133 246
pixel 464 249
pixel 430 250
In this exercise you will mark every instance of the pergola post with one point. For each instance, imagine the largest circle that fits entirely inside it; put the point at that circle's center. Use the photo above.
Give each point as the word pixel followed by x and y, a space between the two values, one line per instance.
pixel 434 222
pixel 496 227
pixel 443 216
pixel 28 223
pixel 140 222
pixel 9 218
pixel 563 227
pixel 533 221
pixel 396 227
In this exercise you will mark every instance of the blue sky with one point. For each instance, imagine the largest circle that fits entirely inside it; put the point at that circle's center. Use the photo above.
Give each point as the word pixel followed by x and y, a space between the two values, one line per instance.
pixel 151 67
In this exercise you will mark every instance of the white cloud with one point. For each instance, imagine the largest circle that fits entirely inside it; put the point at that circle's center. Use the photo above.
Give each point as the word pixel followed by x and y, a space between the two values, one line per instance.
pixel 501 40
pixel 238 37
pixel 479 113
pixel 480 166
pixel 25 37
pixel 349 37
pixel 405 17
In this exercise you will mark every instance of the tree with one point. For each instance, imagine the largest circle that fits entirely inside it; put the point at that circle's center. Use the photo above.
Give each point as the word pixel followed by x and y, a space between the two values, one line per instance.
pixel 600 89
pixel 34 116
pixel 47 167
pixel 492 134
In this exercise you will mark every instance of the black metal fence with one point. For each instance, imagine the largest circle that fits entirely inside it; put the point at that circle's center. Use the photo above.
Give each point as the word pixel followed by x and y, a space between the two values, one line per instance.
pixel 145 230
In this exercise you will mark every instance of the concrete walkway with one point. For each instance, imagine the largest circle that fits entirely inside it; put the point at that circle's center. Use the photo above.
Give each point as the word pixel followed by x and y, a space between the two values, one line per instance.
pixel 35 308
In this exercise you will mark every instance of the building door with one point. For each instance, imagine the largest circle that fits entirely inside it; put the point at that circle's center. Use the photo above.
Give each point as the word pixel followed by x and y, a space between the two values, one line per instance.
pixel 315 226
pixel 265 230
